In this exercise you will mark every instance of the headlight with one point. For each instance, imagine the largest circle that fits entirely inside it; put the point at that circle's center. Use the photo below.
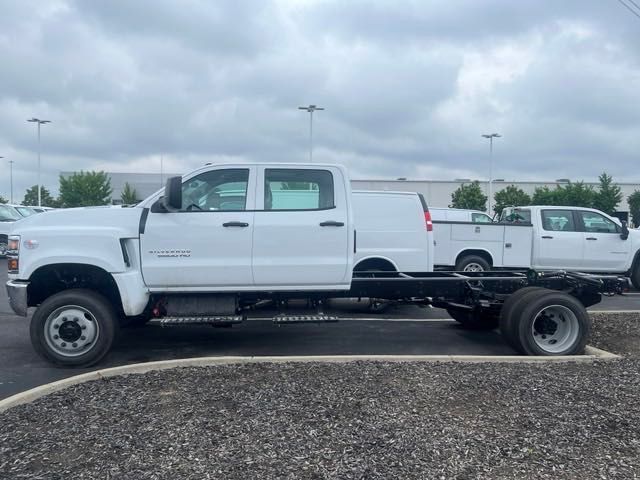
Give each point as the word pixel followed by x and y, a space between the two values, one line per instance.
pixel 13 247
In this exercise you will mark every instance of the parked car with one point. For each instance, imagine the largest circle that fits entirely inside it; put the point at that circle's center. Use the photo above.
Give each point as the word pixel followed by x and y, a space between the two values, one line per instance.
pixel 8 215
pixel 542 237
pixel 459 215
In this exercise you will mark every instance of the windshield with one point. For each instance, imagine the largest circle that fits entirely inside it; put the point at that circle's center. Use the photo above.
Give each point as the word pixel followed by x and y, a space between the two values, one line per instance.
pixel 8 214
pixel 25 211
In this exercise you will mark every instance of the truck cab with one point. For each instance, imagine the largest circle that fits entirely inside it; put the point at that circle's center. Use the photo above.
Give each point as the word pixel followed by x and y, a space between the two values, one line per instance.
pixel 578 238
pixel 237 229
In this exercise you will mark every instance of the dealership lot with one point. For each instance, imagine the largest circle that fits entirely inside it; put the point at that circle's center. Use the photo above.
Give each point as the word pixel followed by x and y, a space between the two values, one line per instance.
pixel 404 330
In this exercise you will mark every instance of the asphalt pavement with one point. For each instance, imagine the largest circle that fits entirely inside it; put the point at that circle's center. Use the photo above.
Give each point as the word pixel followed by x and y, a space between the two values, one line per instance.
pixel 403 330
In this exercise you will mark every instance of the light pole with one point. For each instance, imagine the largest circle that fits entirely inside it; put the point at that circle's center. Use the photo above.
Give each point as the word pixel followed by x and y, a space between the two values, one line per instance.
pixel 491 136
pixel 311 109
pixel 39 122
pixel 10 178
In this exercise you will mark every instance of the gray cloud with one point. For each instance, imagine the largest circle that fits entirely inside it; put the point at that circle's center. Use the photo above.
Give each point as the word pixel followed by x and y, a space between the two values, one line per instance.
pixel 408 86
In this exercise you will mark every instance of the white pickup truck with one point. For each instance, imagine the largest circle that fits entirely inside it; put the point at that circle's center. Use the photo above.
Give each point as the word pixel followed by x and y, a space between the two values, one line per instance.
pixel 216 245
pixel 542 238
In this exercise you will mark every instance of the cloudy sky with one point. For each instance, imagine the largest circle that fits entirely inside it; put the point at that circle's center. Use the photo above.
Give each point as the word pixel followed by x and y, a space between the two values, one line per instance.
pixel 408 86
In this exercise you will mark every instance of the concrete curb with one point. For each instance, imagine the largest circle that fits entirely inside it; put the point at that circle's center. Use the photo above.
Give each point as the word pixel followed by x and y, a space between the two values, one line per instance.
pixel 591 354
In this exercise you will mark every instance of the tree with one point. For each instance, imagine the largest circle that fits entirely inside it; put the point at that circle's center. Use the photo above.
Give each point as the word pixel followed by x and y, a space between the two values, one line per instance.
pixel 609 195
pixel 572 195
pixel 634 207
pixel 31 197
pixel 85 189
pixel 511 196
pixel 129 195
pixel 546 196
pixel 3 200
pixel 578 195
pixel 469 197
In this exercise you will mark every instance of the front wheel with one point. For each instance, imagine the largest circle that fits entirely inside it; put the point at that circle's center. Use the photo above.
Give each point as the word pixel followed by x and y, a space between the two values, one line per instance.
pixel 74 328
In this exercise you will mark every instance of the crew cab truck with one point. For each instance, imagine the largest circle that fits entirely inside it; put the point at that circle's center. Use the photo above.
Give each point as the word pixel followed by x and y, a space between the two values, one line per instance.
pixel 542 238
pixel 216 245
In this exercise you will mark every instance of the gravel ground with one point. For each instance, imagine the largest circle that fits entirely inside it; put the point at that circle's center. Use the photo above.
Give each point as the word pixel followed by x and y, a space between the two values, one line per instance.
pixel 359 420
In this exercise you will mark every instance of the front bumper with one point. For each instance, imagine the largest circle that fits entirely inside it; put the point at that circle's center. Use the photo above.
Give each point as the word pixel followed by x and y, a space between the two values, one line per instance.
pixel 17 292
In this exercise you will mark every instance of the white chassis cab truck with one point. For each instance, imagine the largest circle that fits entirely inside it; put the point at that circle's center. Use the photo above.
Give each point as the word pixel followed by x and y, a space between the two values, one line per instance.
pixel 542 238
pixel 217 245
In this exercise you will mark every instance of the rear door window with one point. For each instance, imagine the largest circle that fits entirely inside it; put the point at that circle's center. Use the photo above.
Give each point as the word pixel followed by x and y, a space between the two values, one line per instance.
pixel 298 189
pixel 558 220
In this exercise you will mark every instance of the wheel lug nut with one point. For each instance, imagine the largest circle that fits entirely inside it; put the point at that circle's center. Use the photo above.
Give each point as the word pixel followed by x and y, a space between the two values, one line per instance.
pixel 64 319
pixel 544 337
pixel 84 327
pixel 56 326
pixel 76 319
pixel 55 337
pixel 63 344
pixel 74 345
pixel 83 337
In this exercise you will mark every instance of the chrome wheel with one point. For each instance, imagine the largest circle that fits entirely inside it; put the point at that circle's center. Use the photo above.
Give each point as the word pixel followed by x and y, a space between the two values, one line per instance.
pixel 71 330
pixel 473 267
pixel 555 329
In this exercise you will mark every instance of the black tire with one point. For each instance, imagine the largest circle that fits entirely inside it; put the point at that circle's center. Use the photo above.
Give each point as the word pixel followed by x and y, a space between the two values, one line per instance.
pixel 550 323
pixel 474 320
pixel 635 276
pixel 507 313
pixel 100 317
pixel 4 242
pixel 468 261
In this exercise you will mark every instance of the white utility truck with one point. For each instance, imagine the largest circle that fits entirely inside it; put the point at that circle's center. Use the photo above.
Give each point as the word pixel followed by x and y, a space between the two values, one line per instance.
pixel 216 245
pixel 542 238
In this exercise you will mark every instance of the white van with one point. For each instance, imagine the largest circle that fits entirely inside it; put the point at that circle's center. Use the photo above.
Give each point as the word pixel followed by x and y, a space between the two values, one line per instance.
pixel 459 215
pixel 393 232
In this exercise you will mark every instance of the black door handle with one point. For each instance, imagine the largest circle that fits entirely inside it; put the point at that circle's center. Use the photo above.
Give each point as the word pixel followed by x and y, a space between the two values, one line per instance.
pixel 591 238
pixel 547 236
pixel 235 224
pixel 332 223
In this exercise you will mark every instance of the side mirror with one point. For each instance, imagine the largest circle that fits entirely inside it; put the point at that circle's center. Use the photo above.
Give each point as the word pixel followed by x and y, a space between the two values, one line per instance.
pixel 625 231
pixel 172 199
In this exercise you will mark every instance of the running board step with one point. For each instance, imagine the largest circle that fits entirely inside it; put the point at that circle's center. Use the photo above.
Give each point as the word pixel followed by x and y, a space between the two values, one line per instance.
pixel 217 320
pixel 282 319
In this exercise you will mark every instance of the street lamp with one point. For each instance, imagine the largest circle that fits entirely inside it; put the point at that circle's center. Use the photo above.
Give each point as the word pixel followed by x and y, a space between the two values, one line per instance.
pixel 39 122
pixel 311 109
pixel 491 136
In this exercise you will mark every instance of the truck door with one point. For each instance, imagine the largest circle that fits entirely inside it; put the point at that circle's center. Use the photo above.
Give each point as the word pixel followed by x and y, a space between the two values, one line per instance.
pixel 301 236
pixel 208 242
pixel 604 250
pixel 559 243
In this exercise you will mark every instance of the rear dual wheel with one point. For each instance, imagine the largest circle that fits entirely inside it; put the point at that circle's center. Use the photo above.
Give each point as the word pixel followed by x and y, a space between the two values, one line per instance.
pixel 539 321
